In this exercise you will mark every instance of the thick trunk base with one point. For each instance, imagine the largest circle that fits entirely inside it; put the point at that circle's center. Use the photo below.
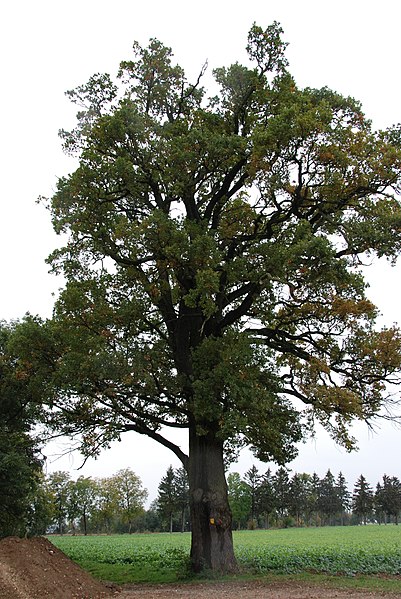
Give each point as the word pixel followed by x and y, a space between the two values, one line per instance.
pixel 212 543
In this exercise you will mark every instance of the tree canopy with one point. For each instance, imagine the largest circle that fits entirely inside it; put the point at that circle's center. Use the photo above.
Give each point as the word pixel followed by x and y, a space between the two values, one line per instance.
pixel 213 251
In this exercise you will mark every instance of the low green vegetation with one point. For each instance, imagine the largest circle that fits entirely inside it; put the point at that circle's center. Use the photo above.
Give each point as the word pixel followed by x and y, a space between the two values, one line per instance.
pixel 351 551
pixel 129 558
pixel 345 550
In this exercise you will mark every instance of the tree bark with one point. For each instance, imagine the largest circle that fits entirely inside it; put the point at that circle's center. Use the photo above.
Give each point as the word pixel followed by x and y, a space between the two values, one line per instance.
pixel 183 519
pixel 212 542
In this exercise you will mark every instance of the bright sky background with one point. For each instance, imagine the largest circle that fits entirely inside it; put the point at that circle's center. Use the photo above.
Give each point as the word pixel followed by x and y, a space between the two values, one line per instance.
pixel 48 47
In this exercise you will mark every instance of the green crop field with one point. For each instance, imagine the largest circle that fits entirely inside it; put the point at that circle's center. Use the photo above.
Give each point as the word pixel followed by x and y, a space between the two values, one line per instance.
pixel 333 550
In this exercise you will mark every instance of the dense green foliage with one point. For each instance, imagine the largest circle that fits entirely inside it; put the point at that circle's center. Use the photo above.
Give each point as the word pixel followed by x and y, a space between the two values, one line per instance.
pixel 21 508
pixel 102 505
pixel 212 256
pixel 239 497
pixel 347 550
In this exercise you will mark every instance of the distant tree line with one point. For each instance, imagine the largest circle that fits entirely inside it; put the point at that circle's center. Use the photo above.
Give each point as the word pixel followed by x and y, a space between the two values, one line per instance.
pixel 258 500
pixel 110 505
pixel 280 500
pixel 92 505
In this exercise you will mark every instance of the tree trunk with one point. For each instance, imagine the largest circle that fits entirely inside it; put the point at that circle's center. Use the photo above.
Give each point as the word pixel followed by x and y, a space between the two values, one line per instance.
pixel 183 519
pixel 212 542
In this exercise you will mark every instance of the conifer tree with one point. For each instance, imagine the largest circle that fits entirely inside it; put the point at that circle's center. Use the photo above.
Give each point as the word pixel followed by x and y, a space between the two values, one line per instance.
pixel 167 497
pixel 344 496
pixel 265 497
pixel 362 499
pixel 329 501
pixel 252 477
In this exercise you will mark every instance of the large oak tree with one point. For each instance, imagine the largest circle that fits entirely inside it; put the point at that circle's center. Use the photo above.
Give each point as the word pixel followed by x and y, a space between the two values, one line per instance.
pixel 212 257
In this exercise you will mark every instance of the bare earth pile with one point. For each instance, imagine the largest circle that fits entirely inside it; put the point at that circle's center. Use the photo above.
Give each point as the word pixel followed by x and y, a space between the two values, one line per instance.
pixel 35 569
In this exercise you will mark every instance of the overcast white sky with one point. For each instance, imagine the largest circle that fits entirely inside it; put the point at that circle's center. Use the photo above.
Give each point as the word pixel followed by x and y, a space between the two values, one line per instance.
pixel 47 47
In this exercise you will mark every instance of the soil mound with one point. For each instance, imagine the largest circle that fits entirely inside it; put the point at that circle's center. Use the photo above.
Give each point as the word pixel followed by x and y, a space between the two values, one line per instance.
pixel 36 569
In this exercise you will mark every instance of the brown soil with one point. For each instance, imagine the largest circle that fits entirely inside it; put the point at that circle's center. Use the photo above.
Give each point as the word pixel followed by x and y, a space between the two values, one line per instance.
pixel 35 569
pixel 248 590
